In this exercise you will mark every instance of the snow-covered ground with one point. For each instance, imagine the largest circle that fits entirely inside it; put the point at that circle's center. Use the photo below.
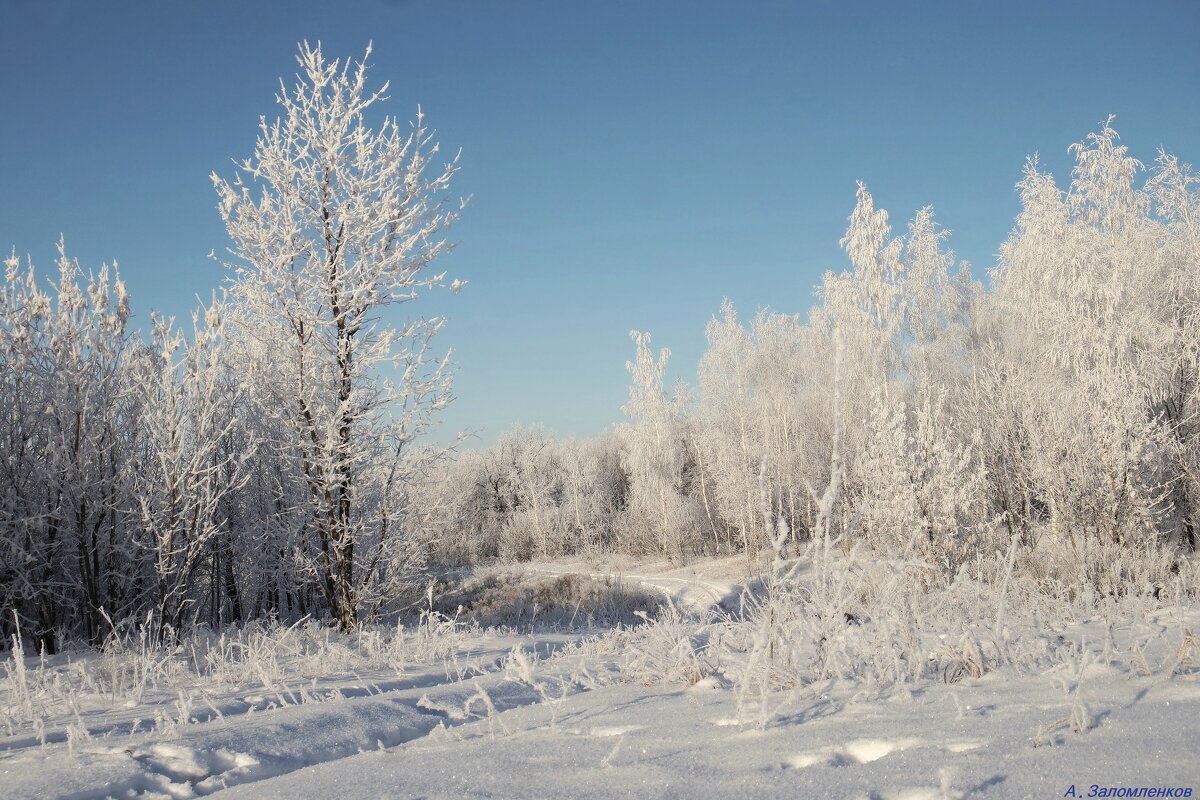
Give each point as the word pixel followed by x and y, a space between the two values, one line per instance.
pixel 634 741
pixel 698 586
pixel 670 709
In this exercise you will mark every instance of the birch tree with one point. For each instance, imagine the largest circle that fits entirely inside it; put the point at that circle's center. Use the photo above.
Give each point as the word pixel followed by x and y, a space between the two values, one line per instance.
pixel 732 440
pixel 187 473
pixel 654 455
pixel 1085 342
pixel 334 223
pixel 65 450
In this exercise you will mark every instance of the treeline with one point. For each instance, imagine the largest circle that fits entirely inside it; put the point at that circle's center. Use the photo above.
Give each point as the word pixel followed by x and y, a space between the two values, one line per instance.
pixel 912 411
pixel 163 479
pixel 262 464
pixel 270 461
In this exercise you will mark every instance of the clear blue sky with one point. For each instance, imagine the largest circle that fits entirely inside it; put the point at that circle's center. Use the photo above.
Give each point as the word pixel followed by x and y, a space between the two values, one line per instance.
pixel 631 162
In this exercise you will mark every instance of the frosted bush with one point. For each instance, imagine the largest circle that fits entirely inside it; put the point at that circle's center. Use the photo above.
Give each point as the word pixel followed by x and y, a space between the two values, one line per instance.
pixel 570 600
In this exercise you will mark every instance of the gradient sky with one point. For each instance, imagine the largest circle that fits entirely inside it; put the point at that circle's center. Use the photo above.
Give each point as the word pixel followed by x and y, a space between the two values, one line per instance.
pixel 631 163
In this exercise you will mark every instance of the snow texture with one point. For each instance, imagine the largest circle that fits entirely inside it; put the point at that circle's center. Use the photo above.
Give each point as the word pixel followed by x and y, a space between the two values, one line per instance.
pixel 552 714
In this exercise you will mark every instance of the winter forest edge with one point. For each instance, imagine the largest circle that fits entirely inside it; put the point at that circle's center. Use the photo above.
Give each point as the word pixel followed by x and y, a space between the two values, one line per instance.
pixel 920 440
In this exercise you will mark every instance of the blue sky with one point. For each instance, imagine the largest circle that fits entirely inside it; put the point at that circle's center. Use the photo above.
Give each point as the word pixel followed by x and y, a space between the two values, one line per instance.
pixel 631 163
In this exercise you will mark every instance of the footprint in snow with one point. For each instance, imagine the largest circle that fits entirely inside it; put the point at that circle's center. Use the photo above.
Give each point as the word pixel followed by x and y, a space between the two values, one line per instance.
pixel 859 751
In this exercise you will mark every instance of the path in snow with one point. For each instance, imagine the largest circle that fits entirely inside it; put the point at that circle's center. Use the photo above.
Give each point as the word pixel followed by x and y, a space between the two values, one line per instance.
pixel 237 742
pixel 697 587
pixel 943 742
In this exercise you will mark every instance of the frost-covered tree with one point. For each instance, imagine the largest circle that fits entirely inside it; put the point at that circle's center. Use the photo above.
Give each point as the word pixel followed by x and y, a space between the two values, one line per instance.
pixel 761 425
pixel 860 319
pixel 67 452
pixel 867 305
pixel 936 308
pixel 910 475
pixel 333 224
pixel 921 488
pixel 731 442
pixel 655 454
pixel 527 496
pixel 1084 342
pixel 595 488
pixel 532 526
pixel 1174 190
pixel 24 315
pixel 187 473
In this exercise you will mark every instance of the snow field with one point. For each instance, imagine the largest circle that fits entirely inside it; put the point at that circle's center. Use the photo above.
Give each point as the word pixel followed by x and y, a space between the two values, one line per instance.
pixel 832 677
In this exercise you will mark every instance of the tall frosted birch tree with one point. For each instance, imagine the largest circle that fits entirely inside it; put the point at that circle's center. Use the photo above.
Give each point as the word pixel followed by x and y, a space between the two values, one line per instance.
pixel 654 452
pixel 333 223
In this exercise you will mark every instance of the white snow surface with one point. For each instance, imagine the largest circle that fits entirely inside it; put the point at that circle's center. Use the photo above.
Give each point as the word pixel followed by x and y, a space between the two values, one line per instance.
pixel 629 741
pixel 538 715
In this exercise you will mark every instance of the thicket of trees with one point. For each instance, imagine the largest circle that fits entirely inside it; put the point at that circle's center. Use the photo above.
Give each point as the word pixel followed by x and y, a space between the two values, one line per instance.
pixel 269 462
pixel 263 463
pixel 913 411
